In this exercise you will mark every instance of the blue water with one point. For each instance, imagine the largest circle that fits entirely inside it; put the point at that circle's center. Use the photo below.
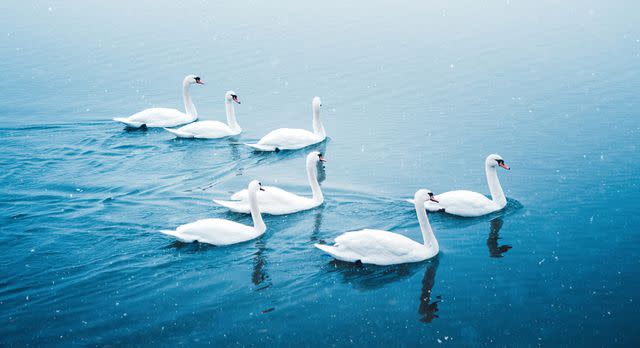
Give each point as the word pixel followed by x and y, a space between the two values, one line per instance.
pixel 415 95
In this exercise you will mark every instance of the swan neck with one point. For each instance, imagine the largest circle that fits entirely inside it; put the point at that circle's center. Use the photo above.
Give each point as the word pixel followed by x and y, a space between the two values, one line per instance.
pixel 429 238
pixel 312 174
pixel 318 127
pixel 189 107
pixel 231 116
pixel 258 223
pixel 497 195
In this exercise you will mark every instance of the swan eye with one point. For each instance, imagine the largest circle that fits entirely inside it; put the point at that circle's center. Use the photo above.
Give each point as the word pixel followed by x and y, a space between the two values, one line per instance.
pixel 500 161
pixel 197 79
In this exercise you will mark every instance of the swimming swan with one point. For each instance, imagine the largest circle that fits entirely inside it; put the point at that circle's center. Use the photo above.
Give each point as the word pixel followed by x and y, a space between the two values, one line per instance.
pixel 386 248
pixel 223 232
pixel 164 117
pixel 276 201
pixel 213 129
pixel 293 139
pixel 471 204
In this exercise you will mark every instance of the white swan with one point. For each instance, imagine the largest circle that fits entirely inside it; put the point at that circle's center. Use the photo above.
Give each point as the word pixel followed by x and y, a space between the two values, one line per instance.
pixel 223 232
pixel 293 139
pixel 276 201
pixel 213 129
pixel 164 117
pixel 471 204
pixel 386 248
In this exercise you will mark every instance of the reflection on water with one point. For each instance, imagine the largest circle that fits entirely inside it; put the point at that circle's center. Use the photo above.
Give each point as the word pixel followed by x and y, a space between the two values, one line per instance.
pixel 259 276
pixel 427 308
pixel 81 199
pixel 370 277
pixel 492 240
pixel 317 224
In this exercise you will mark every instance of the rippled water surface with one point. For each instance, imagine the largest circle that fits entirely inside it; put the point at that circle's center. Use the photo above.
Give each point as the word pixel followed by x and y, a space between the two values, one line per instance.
pixel 415 94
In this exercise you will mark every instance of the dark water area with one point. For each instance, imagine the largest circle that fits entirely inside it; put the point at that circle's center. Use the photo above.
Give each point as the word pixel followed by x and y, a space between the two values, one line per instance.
pixel 415 95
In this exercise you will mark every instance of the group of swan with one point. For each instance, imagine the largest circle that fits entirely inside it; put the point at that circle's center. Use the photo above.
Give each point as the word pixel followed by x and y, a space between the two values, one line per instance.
pixel 276 140
pixel 364 246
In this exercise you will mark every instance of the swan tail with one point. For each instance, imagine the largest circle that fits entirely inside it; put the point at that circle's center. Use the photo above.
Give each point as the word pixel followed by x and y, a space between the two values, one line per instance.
pixel 179 133
pixel 262 147
pixel 410 201
pixel 331 250
pixel 177 235
pixel 128 123
pixel 337 254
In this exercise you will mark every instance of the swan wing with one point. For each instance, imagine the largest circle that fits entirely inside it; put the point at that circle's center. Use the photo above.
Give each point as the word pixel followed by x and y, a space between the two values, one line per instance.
pixel 204 130
pixel 160 117
pixel 374 247
pixel 465 203
pixel 214 231
pixel 287 139
pixel 272 200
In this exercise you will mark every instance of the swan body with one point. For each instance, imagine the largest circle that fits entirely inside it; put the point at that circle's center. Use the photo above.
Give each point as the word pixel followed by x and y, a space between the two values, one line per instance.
pixel 212 129
pixel 387 248
pixel 220 231
pixel 165 117
pixel 294 139
pixel 472 204
pixel 276 201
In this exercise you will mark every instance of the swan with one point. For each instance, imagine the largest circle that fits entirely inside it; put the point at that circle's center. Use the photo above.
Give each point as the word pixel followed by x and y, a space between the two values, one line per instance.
pixel 213 129
pixel 294 139
pixel 471 204
pixel 164 117
pixel 223 232
pixel 386 248
pixel 276 201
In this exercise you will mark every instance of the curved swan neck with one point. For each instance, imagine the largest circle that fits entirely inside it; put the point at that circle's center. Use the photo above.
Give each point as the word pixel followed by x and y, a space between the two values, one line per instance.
pixel 429 238
pixel 258 223
pixel 231 116
pixel 318 127
pixel 189 107
pixel 497 195
pixel 312 174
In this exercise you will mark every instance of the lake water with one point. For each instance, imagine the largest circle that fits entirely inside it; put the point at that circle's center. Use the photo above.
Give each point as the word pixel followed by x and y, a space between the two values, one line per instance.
pixel 415 95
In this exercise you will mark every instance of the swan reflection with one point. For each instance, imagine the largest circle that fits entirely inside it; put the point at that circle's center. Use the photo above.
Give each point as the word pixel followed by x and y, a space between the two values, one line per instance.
pixel 428 308
pixel 259 276
pixel 492 241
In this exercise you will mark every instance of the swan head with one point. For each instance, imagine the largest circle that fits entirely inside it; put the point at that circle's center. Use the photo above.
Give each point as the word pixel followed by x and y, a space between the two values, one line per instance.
pixel 424 195
pixel 315 157
pixel 192 80
pixel 231 96
pixel 255 186
pixel 316 103
pixel 496 160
